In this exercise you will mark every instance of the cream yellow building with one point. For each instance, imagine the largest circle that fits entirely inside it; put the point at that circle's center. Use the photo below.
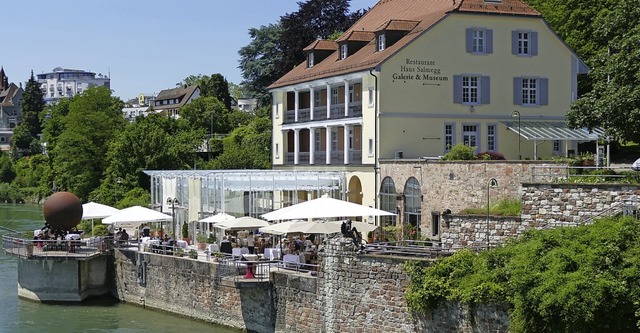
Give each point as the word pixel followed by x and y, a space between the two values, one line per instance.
pixel 412 78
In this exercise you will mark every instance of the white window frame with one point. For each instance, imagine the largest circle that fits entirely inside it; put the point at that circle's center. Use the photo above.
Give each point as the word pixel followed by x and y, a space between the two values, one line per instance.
pixel 317 99
pixel 529 91
pixel 471 89
pixel 344 52
pixel 469 134
pixel 371 96
pixel 492 136
pixel 310 60
pixel 276 111
pixel 479 40
pixel 524 42
pixel 557 147
pixel 381 42
pixel 334 96
pixel 370 153
pixel 449 135
pixel 334 140
pixel 277 151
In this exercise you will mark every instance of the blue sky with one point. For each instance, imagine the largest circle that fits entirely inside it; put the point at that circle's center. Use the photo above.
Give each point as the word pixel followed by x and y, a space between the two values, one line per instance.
pixel 145 45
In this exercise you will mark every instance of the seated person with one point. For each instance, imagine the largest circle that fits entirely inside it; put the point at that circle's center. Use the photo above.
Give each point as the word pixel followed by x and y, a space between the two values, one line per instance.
pixel 225 245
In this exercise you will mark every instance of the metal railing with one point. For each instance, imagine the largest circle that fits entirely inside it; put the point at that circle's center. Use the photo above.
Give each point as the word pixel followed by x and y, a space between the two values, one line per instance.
pixel 16 245
pixel 427 249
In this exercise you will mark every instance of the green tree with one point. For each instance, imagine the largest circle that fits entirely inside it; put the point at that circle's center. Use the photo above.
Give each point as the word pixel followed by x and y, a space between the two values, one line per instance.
pixel 7 169
pixel 314 19
pixel 79 154
pixel 614 102
pixel 248 146
pixel 258 62
pixel 208 114
pixel 25 139
pixel 150 143
pixel 211 86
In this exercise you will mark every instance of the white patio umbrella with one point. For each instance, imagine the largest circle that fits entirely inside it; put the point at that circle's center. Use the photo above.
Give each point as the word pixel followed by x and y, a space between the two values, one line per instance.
pixel 324 208
pixel 93 210
pixel 241 223
pixel 132 217
pixel 321 228
pixel 289 227
pixel 220 217
pixel 217 218
pixel 362 227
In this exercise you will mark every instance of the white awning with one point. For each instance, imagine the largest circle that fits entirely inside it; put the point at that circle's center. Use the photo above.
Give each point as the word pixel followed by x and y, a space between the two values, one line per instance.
pixel 548 130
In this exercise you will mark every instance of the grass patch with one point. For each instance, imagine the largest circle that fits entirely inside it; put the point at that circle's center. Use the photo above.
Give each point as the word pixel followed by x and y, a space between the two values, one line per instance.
pixel 502 207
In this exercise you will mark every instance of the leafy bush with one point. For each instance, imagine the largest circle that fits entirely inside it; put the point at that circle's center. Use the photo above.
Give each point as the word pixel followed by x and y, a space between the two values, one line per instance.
pixel 583 279
pixel 100 230
pixel 490 156
pixel 460 152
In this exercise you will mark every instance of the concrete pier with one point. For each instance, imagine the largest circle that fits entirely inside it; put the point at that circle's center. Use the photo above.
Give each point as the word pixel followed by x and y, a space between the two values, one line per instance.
pixel 62 280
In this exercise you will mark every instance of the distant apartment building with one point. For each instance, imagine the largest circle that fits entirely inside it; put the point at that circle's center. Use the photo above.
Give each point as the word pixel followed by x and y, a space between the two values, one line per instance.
pixel 10 109
pixel 247 104
pixel 170 101
pixel 64 82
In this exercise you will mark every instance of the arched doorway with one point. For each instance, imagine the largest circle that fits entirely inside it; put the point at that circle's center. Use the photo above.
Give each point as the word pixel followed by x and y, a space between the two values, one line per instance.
pixel 355 190
pixel 412 209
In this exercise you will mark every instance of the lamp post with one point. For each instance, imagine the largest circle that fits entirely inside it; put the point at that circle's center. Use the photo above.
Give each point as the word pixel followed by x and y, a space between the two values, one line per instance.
pixel 491 183
pixel 173 202
pixel 514 114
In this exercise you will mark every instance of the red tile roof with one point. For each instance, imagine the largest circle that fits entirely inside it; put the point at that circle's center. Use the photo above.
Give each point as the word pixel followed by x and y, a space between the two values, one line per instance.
pixel 398 25
pixel 322 44
pixel 392 12
pixel 357 36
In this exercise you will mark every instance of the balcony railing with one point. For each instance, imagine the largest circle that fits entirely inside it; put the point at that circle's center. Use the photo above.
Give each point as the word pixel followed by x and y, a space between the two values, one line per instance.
pixel 337 158
pixel 320 113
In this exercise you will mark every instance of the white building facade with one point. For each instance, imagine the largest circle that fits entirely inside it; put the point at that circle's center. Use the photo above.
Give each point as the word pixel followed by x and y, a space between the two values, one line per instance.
pixel 64 82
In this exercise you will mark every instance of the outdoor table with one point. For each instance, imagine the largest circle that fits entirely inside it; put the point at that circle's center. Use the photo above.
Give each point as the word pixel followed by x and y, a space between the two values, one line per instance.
pixel 272 253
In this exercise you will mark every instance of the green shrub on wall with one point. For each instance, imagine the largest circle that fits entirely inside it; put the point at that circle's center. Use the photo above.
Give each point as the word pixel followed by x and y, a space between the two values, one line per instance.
pixel 460 152
pixel 583 279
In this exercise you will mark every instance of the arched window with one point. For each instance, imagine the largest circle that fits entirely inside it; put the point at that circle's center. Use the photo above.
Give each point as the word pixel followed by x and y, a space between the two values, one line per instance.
pixel 412 207
pixel 388 201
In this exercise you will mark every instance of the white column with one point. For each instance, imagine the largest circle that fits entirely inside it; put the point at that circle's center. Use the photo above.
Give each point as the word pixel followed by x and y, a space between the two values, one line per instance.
pixel 296 146
pixel 328 143
pixel 346 98
pixel 297 104
pixel 312 142
pixel 328 101
pixel 312 102
pixel 346 143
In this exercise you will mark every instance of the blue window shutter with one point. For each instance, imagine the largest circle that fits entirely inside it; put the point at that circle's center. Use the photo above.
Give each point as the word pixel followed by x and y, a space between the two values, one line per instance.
pixel 517 90
pixel 543 91
pixel 514 42
pixel 485 90
pixel 457 89
pixel 489 45
pixel 533 43
pixel 469 39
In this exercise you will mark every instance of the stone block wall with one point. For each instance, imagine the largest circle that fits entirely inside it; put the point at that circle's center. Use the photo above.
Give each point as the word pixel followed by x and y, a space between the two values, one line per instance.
pixel 553 205
pixel 471 230
pixel 457 185
pixel 298 309
pixel 194 289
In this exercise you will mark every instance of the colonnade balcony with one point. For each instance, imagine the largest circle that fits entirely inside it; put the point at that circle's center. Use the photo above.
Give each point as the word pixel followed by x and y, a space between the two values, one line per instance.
pixel 320 113
pixel 337 158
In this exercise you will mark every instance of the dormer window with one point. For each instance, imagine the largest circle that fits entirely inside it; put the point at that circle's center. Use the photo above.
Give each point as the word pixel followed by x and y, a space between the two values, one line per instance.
pixel 310 60
pixel 343 51
pixel 381 42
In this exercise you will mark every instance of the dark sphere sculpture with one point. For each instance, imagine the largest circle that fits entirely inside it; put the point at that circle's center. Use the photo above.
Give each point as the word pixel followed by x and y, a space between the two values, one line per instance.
pixel 62 211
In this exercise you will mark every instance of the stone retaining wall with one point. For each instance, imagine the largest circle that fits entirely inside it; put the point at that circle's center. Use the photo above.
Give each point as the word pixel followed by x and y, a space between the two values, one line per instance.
pixel 553 205
pixel 471 230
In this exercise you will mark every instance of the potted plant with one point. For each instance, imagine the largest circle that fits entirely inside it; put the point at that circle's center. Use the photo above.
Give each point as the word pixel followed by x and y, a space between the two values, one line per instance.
pixel 193 254
pixel 185 233
pixel 201 241
pixel 179 252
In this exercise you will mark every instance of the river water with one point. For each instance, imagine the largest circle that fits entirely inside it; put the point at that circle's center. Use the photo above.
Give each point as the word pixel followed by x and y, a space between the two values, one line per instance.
pixel 19 315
